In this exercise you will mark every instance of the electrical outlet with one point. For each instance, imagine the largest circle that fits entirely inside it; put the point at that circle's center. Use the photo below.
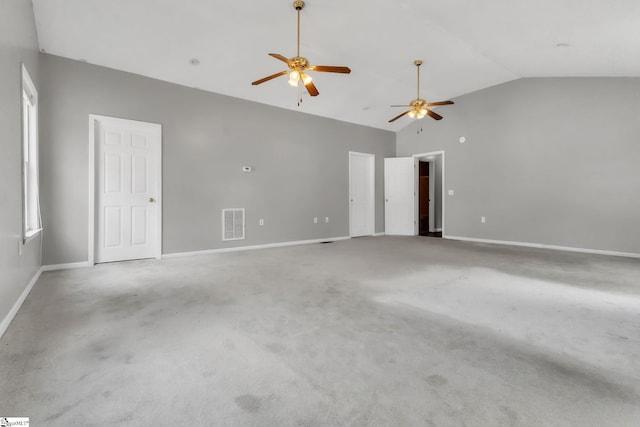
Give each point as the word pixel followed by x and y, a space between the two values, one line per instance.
pixel 483 219
pixel 326 219
pixel 315 219
pixel 261 222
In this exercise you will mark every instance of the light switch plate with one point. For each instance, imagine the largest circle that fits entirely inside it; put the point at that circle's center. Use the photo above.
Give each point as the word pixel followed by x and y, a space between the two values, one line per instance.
pixel 450 192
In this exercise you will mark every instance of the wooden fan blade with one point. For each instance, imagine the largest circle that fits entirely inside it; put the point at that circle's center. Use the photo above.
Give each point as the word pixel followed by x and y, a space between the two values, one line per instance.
pixel 330 69
pixel 280 57
pixel 433 104
pixel 399 115
pixel 266 79
pixel 434 115
pixel 401 105
pixel 311 88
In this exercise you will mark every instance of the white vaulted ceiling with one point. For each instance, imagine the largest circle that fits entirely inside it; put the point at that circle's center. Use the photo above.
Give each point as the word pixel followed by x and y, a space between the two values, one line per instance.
pixel 466 45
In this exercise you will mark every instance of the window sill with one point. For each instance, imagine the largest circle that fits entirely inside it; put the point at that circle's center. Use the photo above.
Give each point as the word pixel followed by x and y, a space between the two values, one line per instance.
pixel 30 235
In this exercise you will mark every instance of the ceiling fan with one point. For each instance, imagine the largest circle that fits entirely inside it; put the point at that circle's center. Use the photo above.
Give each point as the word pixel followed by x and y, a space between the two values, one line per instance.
pixel 419 106
pixel 298 65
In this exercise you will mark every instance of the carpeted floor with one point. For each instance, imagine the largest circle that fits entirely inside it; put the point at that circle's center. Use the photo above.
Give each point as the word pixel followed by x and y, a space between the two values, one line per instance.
pixel 385 331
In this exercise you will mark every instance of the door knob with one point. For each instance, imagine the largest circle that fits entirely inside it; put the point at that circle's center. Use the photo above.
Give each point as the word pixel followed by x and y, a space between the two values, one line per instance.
pixel 151 200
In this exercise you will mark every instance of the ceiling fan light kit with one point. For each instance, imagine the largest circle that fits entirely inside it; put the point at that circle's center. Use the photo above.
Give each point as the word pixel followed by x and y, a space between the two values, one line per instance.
pixel 298 66
pixel 419 107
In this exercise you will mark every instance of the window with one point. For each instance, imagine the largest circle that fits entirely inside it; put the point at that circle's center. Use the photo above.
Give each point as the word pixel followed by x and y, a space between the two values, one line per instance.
pixel 31 205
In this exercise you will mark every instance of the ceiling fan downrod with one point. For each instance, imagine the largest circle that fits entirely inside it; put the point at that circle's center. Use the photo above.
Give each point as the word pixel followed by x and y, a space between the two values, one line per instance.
pixel 418 63
pixel 298 5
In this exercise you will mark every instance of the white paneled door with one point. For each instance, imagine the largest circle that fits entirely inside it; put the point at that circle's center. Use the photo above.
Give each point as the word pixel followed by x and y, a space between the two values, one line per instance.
pixel 127 189
pixel 361 194
pixel 400 201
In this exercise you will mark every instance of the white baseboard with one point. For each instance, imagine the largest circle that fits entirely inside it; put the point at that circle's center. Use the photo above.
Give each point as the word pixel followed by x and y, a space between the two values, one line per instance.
pixel 437 229
pixel 247 248
pixel 541 246
pixel 378 234
pixel 23 296
pixel 66 266
pixel 83 264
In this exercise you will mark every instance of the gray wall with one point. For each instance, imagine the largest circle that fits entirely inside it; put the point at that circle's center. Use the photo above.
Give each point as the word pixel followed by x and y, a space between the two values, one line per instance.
pixel 300 161
pixel 18 44
pixel 550 161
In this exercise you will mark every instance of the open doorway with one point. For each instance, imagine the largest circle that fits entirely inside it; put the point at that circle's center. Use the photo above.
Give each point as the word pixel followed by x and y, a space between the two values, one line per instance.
pixel 424 199
pixel 430 188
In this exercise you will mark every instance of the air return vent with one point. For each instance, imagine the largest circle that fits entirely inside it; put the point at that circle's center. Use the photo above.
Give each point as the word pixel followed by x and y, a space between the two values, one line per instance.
pixel 232 224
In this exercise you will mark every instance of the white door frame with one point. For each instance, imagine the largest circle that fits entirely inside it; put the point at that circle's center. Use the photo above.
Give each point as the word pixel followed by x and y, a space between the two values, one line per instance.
pixel 428 157
pixel 93 118
pixel 372 189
